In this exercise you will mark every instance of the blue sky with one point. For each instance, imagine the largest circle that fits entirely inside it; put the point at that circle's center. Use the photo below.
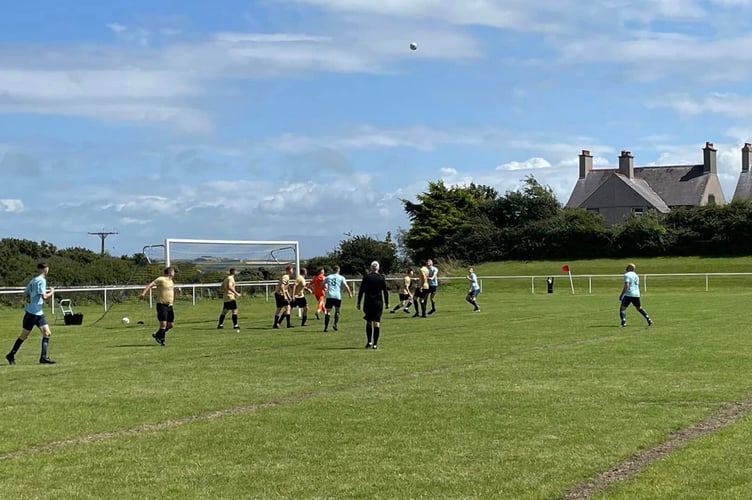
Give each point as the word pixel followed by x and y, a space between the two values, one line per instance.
pixel 311 119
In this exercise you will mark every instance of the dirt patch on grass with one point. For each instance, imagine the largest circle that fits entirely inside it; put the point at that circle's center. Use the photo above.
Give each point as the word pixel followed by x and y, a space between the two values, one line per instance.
pixel 726 414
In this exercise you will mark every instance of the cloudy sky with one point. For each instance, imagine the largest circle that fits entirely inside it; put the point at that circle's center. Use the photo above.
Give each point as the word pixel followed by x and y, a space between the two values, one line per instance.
pixel 312 119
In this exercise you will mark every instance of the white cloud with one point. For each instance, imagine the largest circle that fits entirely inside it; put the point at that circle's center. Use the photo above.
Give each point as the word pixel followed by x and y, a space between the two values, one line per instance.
pixel 732 105
pixel 10 205
pixel 421 138
pixel 652 56
pixel 116 27
pixel 265 38
pixel 95 84
pixel 530 164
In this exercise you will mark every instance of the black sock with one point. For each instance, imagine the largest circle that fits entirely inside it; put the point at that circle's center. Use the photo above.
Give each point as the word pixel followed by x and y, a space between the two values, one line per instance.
pixel 221 320
pixel 326 321
pixel 160 333
pixel 422 308
pixel 235 320
pixel 276 320
pixel 376 331
pixel 336 318
pixel 287 317
pixel 303 319
pixel 45 345
pixel 369 332
pixel 16 346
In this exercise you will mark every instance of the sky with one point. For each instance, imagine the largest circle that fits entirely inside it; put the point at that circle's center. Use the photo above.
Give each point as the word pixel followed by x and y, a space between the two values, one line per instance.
pixel 312 120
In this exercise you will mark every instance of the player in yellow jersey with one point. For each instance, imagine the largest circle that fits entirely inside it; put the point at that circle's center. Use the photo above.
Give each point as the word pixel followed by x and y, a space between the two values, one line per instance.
pixel 421 293
pixel 283 299
pixel 230 295
pixel 299 289
pixel 165 292
pixel 405 297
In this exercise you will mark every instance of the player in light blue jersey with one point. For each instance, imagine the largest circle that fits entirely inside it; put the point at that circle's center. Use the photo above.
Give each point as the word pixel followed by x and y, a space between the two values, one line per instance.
pixel 333 285
pixel 433 284
pixel 474 290
pixel 630 294
pixel 37 292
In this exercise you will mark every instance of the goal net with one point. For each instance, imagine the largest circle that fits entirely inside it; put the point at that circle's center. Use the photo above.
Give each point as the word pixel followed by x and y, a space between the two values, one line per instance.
pixel 210 260
pixel 201 266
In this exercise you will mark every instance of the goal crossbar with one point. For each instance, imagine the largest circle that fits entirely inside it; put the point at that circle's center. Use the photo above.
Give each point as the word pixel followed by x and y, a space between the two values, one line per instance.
pixel 278 244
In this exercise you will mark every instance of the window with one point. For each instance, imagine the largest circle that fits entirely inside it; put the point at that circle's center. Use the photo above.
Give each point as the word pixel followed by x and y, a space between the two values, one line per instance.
pixel 711 199
pixel 638 212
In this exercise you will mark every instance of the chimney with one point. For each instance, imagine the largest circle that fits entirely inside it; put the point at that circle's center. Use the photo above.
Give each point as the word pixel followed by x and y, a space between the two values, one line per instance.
pixel 586 163
pixel 708 159
pixel 626 164
pixel 745 156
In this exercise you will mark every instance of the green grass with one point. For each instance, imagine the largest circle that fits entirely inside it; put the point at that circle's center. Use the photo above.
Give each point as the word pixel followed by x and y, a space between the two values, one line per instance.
pixel 530 397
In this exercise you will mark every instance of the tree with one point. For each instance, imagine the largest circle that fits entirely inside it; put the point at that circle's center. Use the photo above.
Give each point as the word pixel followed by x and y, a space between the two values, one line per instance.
pixel 530 204
pixel 356 254
pixel 437 215
pixel 643 235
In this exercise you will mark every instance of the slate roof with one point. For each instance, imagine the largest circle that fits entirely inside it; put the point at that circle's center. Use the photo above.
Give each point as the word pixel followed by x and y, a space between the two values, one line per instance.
pixel 743 189
pixel 663 186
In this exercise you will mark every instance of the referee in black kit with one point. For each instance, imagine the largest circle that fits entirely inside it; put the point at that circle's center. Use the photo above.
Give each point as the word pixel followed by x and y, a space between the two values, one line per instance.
pixel 373 287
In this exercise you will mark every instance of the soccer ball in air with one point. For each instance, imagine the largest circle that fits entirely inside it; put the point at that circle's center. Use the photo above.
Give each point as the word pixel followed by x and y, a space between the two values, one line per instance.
pixel 413 45
pixel 125 320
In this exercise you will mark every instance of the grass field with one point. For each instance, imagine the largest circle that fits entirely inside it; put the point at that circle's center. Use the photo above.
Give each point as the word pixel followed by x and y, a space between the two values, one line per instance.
pixel 537 396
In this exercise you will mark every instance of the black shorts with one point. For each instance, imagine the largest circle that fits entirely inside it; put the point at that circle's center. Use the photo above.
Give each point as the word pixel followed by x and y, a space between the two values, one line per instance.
pixel 625 301
pixel 432 288
pixel 330 302
pixel 280 300
pixel 165 313
pixel 404 296
pixel 32 320
pixel 230 305
pixel 372 311
pixel 299 302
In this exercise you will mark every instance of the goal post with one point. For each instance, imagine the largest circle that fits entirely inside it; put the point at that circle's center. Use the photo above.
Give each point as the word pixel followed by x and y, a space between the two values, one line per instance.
pixel 224 254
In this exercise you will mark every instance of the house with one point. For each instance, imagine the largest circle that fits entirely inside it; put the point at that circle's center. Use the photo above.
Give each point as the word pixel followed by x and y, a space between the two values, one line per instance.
pixel 617 192
pixel 743 189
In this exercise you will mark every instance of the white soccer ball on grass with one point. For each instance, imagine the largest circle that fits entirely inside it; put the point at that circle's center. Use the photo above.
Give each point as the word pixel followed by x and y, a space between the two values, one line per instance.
pixel 125 320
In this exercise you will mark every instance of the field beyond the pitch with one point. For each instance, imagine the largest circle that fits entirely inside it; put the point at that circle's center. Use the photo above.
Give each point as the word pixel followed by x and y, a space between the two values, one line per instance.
pixel 530 398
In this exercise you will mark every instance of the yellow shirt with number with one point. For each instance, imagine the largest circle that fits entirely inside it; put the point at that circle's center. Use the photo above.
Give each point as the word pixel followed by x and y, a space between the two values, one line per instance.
pixel 228 285
pixel 284 282
pixel 423 283
pixel 406 282
pixel 165 289
pixel 299 287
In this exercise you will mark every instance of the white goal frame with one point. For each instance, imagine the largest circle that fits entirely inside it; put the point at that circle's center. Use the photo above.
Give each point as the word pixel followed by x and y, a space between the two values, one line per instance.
pixel 280 244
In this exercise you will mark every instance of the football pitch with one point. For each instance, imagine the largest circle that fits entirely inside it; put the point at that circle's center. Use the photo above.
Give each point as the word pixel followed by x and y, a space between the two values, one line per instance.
pixel 536 396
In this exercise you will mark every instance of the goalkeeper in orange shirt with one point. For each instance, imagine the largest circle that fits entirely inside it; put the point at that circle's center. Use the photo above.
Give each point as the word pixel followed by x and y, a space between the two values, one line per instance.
pixel 317 285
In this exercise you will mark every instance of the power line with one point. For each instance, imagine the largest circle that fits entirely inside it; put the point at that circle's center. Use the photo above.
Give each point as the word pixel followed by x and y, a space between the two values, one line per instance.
pixel 102 235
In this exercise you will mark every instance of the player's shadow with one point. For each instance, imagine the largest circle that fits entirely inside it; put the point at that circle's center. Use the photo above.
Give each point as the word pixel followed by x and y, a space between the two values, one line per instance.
pixel 350 348
pixel 132 346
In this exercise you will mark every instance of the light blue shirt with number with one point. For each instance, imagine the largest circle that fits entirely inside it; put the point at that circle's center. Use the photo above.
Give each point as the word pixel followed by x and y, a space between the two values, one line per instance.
pixel 473 281
pixel 633 284
pixel 433 276
pixel 35 290
pixel 333 284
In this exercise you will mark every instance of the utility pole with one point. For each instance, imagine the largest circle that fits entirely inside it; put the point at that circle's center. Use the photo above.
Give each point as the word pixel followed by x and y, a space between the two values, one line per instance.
pixel 102 235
